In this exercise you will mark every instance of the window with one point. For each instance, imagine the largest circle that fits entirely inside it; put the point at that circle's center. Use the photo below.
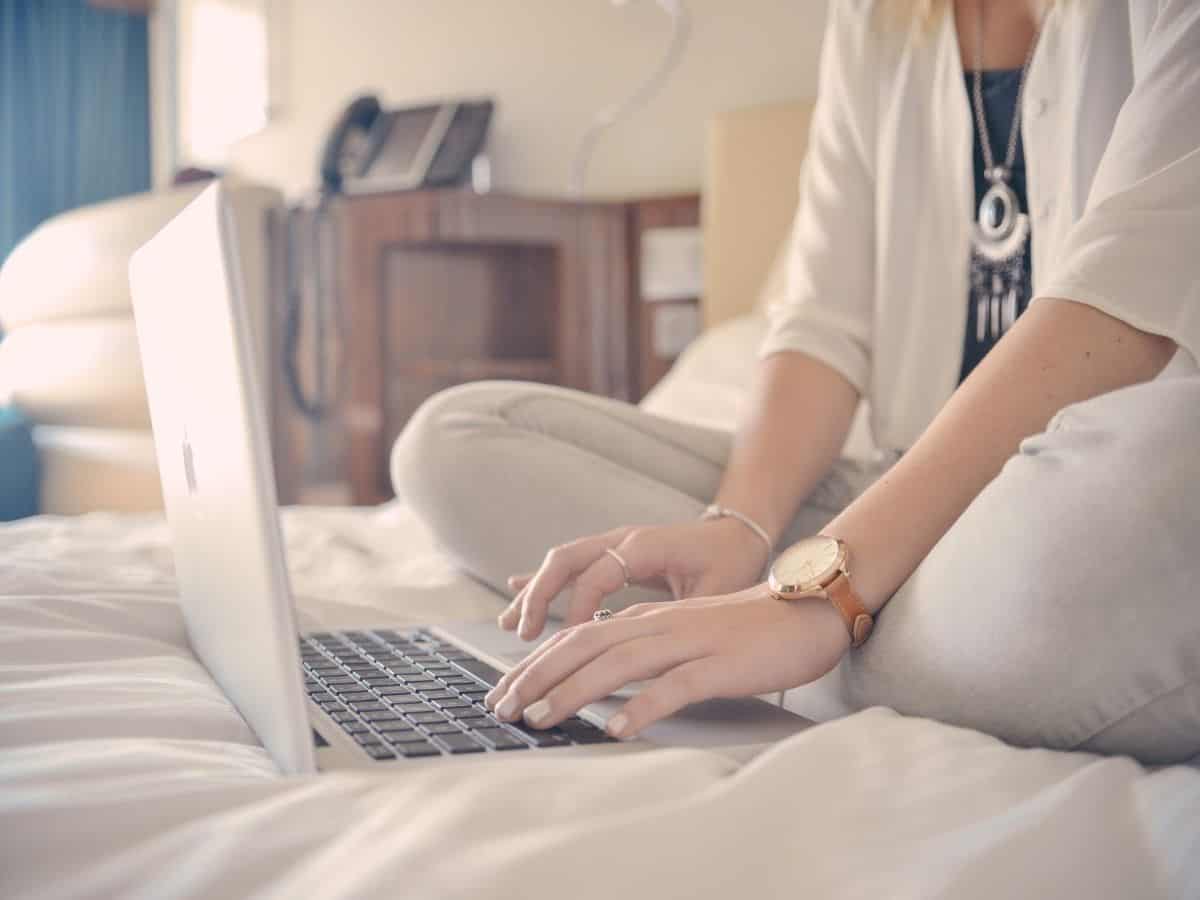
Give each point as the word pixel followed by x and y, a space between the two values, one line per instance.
pixel 223 76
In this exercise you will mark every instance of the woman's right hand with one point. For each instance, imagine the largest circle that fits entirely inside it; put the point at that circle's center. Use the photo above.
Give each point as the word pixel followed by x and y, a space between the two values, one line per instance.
pixel 702 558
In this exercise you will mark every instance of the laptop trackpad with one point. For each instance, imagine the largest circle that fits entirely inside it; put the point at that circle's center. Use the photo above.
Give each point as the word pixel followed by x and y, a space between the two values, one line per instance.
pixel 713 723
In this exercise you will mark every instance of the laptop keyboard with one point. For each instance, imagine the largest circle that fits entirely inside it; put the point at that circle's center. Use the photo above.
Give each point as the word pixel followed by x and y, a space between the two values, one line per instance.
pixel 410 695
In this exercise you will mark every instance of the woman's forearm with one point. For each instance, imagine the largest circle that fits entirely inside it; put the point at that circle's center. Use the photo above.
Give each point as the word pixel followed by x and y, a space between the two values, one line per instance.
pixel 798 420
pixel 1058 353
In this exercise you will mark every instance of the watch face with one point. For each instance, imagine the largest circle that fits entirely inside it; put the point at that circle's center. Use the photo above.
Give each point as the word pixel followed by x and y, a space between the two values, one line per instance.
pixel 807 564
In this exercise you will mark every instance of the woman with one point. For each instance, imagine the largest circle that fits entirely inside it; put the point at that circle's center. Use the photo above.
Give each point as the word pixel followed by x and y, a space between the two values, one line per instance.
pixel 1024 595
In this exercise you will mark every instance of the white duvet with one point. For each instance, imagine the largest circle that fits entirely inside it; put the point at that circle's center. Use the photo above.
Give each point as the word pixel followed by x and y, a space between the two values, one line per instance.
pixel 125 772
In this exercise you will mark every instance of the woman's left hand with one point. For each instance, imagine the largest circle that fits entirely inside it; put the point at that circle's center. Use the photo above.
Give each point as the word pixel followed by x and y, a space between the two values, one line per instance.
pixel 732 646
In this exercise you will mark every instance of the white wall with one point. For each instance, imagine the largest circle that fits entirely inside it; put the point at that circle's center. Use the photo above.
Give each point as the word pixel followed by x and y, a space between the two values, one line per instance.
pixel 551 64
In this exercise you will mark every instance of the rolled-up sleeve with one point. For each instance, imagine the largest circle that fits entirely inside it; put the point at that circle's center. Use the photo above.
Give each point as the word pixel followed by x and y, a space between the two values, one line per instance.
pixel 1135 251
pixel 826 311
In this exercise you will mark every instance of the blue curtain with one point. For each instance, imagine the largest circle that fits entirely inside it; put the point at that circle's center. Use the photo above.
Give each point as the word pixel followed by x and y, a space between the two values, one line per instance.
pixel 74 110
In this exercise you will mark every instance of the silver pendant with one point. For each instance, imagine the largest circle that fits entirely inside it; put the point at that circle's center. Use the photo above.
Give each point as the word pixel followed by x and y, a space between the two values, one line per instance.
pixel 1009 312
pixel 1000 229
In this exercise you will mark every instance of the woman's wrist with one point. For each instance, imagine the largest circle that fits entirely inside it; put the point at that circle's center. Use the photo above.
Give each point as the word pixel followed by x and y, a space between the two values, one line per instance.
pixel 717 511
pixel 742 541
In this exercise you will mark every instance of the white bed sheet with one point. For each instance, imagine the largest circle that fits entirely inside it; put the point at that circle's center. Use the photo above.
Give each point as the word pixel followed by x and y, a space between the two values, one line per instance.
pixel 125 772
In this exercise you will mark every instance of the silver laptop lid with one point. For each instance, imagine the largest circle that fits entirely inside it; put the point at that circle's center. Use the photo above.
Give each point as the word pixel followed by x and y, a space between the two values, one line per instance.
pixel 218 483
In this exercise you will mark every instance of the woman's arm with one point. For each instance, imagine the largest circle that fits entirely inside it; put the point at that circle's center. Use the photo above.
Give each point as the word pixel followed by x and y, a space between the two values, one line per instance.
pixel 748 643
pixel 1132 254
pixel 1058 353
pixel 798 420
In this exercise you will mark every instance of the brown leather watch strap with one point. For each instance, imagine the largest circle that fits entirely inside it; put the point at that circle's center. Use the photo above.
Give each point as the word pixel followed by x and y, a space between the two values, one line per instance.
pixel 847 603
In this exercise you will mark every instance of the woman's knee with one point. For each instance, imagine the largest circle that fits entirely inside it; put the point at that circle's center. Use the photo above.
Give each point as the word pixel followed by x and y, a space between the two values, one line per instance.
pixel 1060 609
pixel 443 453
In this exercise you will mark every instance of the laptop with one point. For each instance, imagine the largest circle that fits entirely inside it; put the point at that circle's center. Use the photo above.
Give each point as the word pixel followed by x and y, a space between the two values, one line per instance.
pixel 333 699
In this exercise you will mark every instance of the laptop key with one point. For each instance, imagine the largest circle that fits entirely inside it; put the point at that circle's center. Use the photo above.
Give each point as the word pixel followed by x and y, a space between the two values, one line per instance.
pixel 393 690
pixel 379 751
pixel 364 738
pixel 412 706
pixel 472 718
pixel 421 682
pixel 444 728
pixel 452 703
pixel 549 738
pixel 429 718
pixel 352 696
pixel 380 715
pixel 480 670
pixel 398 731
pixel 422 749
pixel 582 732
pixel 499 739
pixel 354 727
pixel 438 695
pixel 362 706
pixel 460 743
pixel 389 634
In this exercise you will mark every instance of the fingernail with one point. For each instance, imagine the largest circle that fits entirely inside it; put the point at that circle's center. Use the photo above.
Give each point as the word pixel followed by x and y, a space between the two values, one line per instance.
pixel 508 707
pixel 489 699
pixel 616 725
pixel 538 713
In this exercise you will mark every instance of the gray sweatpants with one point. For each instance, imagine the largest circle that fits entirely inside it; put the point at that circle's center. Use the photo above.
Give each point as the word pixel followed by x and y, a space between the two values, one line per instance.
pixel 1062 609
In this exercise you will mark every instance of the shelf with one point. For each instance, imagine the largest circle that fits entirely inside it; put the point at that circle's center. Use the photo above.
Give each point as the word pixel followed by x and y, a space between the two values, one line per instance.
pixel 478 369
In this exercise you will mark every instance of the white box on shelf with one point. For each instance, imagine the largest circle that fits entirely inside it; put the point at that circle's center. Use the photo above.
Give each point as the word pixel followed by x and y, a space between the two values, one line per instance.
pixel 671 264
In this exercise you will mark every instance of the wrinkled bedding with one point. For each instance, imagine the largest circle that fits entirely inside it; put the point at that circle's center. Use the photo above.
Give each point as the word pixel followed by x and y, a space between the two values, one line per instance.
pixel 125 772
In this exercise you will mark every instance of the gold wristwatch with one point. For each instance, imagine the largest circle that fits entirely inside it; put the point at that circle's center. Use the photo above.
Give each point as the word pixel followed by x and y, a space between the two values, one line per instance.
pixel 819 567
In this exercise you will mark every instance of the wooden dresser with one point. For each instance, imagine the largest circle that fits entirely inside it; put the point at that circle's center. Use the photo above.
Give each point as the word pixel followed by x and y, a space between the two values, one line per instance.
pixel 436 288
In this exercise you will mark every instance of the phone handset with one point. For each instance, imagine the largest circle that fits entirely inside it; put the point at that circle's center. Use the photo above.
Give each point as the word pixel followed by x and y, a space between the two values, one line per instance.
pixel 346 147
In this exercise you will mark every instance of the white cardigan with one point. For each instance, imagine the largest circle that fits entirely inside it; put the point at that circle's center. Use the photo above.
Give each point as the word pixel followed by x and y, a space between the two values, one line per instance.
pixel 878 267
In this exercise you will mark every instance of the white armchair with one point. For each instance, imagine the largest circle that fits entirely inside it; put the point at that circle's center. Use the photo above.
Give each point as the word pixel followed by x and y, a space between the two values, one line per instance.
pixel 70 359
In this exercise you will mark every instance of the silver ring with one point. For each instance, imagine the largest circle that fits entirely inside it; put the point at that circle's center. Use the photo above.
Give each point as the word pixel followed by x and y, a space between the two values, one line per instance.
pixel 601 614
pixel 620 562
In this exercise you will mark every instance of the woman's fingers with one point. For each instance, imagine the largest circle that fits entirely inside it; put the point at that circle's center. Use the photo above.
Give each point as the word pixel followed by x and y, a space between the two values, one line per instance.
pixel 517 582
pixel 693 681
pixel 512 613
pixel 501 687
pixel 586 641
pixel 560 567
pixel 639 560
pixel 629 661
pixel 573 653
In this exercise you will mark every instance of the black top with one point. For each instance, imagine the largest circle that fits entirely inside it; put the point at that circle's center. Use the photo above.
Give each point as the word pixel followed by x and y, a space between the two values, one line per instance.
pixel 1000 88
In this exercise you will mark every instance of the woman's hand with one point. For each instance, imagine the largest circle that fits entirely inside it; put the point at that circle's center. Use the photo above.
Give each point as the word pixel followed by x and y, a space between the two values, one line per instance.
pixel 734 646
pixel 699 558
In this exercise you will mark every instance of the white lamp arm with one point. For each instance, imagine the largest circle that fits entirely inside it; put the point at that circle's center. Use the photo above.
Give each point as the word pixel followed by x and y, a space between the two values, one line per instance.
pixel 606 118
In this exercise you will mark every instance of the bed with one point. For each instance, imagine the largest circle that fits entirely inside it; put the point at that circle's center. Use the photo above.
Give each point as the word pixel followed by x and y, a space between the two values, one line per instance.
pixel 125 772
